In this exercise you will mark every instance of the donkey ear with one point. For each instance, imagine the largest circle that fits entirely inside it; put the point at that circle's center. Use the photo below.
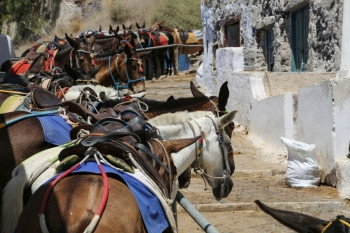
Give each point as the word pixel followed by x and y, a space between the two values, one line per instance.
pixel 130 27
pixel 124 27
pixel 117 29
pixel 170 98
pixel 110 31
pixel 137 25
pixel 144 24
pixel 296 221
pixel 195 91
pixel 100 29
pixel 223 96
pixel 176 145
pixel 226 119
pixel 72 42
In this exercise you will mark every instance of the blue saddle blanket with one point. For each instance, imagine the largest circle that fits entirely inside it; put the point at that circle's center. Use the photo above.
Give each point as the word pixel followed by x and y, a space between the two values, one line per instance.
pixel 151 210
pixel 56 129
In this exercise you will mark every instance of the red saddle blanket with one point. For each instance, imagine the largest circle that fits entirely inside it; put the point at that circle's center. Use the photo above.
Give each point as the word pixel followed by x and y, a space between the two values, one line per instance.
pixel 20 67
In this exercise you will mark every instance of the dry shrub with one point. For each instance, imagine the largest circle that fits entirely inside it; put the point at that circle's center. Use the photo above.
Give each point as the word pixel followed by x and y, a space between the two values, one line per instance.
pixel 75 25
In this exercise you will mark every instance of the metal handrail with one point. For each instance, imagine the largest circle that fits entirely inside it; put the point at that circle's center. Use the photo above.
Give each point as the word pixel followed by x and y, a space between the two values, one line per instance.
pixel 169 46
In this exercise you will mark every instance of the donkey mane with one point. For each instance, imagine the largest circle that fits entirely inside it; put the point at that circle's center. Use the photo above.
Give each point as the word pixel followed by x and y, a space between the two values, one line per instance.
pixel 166 105
pixel 108 54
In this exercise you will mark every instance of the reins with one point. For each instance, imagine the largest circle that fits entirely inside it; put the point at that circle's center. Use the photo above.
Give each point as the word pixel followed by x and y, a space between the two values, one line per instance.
pixel 92 151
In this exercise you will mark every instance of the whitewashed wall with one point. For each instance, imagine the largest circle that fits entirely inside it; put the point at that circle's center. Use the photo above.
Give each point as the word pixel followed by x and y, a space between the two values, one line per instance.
pixel 315 122
pixel 272 118
pixel 318 114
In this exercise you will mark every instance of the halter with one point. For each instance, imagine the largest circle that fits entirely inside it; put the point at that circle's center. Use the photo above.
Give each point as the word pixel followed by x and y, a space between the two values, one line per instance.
pixel 116 84
pixel 92 55
pixel 217 111
pixel 226 171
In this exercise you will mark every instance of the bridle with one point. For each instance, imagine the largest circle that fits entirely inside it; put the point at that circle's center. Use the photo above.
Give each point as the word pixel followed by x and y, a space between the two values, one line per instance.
pixel 126 85
pixel 91 54
pixel 223 151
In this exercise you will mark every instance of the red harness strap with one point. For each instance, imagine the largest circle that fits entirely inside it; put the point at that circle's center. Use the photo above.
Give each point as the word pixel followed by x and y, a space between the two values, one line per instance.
pixel 50 61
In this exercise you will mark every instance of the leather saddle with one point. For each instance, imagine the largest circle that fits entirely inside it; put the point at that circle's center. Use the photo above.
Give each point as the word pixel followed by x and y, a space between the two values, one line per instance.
pixel 52 81
pixel 121 139
pixel 41 99
pixel 183 35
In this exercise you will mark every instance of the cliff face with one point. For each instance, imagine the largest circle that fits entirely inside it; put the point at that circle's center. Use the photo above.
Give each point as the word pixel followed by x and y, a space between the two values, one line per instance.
pixel 49 18
pixel 41 17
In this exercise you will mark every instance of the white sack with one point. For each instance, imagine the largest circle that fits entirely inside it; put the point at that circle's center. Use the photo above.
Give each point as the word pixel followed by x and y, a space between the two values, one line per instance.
pixel 302 167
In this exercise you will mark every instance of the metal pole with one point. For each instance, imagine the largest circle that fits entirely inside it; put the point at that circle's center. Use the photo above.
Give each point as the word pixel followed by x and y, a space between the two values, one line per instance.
pixel 176 56
pixel 195 214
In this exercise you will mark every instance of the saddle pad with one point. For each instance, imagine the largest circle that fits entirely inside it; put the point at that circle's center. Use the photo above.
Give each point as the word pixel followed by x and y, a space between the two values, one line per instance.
pixel 13 103
pixel 151 210
pixel 56 129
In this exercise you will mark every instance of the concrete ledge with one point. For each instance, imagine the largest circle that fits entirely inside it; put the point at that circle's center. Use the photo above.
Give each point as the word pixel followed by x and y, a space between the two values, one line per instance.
pixel 252 173
pixel 291 206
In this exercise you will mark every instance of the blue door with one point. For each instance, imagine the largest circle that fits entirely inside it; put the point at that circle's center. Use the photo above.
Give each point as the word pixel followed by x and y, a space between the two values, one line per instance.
pixel 300 29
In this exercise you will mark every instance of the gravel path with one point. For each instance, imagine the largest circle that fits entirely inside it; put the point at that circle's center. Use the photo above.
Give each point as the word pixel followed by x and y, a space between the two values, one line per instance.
pixel 258 175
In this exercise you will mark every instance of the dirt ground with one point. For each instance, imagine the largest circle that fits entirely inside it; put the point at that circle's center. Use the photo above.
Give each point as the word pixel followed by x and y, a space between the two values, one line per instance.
pixel 258 175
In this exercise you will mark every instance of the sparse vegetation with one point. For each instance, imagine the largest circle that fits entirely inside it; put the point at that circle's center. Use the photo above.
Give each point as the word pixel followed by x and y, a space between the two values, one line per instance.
pixel 35 23
pixel 184 14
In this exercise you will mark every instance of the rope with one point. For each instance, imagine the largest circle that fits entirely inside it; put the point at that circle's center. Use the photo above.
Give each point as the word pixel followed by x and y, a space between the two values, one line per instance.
pixel 13 92
pixel 168 161
pixel 32 114
pixel 116 85
pixel 139 104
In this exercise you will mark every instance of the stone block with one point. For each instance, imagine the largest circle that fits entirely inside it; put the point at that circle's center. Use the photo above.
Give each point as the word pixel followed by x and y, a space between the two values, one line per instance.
pixel 342 169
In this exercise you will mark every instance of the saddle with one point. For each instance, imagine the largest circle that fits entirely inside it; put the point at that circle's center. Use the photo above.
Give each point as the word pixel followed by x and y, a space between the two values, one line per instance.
pixel 44 99
pixel 156 35
pixel 121 141
pixel 183 35
pixel 40 99
pixel 52 81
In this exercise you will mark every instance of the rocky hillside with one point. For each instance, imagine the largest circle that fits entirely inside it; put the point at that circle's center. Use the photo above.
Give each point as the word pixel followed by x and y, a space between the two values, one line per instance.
pixel 28 21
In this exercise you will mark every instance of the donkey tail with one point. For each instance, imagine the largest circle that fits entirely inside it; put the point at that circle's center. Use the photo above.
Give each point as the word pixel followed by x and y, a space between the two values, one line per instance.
pixel 296 221
pixel 12 201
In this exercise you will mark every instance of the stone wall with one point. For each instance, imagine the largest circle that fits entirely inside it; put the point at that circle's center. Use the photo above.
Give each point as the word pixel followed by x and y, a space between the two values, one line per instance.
pixel 324 34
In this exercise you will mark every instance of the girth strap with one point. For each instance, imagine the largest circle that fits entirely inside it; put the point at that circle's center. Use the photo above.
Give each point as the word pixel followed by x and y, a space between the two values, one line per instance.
pixel 147 167
pixel 92 140
pixel 142 147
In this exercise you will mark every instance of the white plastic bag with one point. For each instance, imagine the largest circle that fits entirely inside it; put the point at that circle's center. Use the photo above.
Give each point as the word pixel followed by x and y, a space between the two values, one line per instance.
pixel 302 167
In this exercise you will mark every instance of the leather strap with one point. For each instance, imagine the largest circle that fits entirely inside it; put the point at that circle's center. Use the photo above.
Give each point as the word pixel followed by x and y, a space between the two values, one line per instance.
pixel 142 147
